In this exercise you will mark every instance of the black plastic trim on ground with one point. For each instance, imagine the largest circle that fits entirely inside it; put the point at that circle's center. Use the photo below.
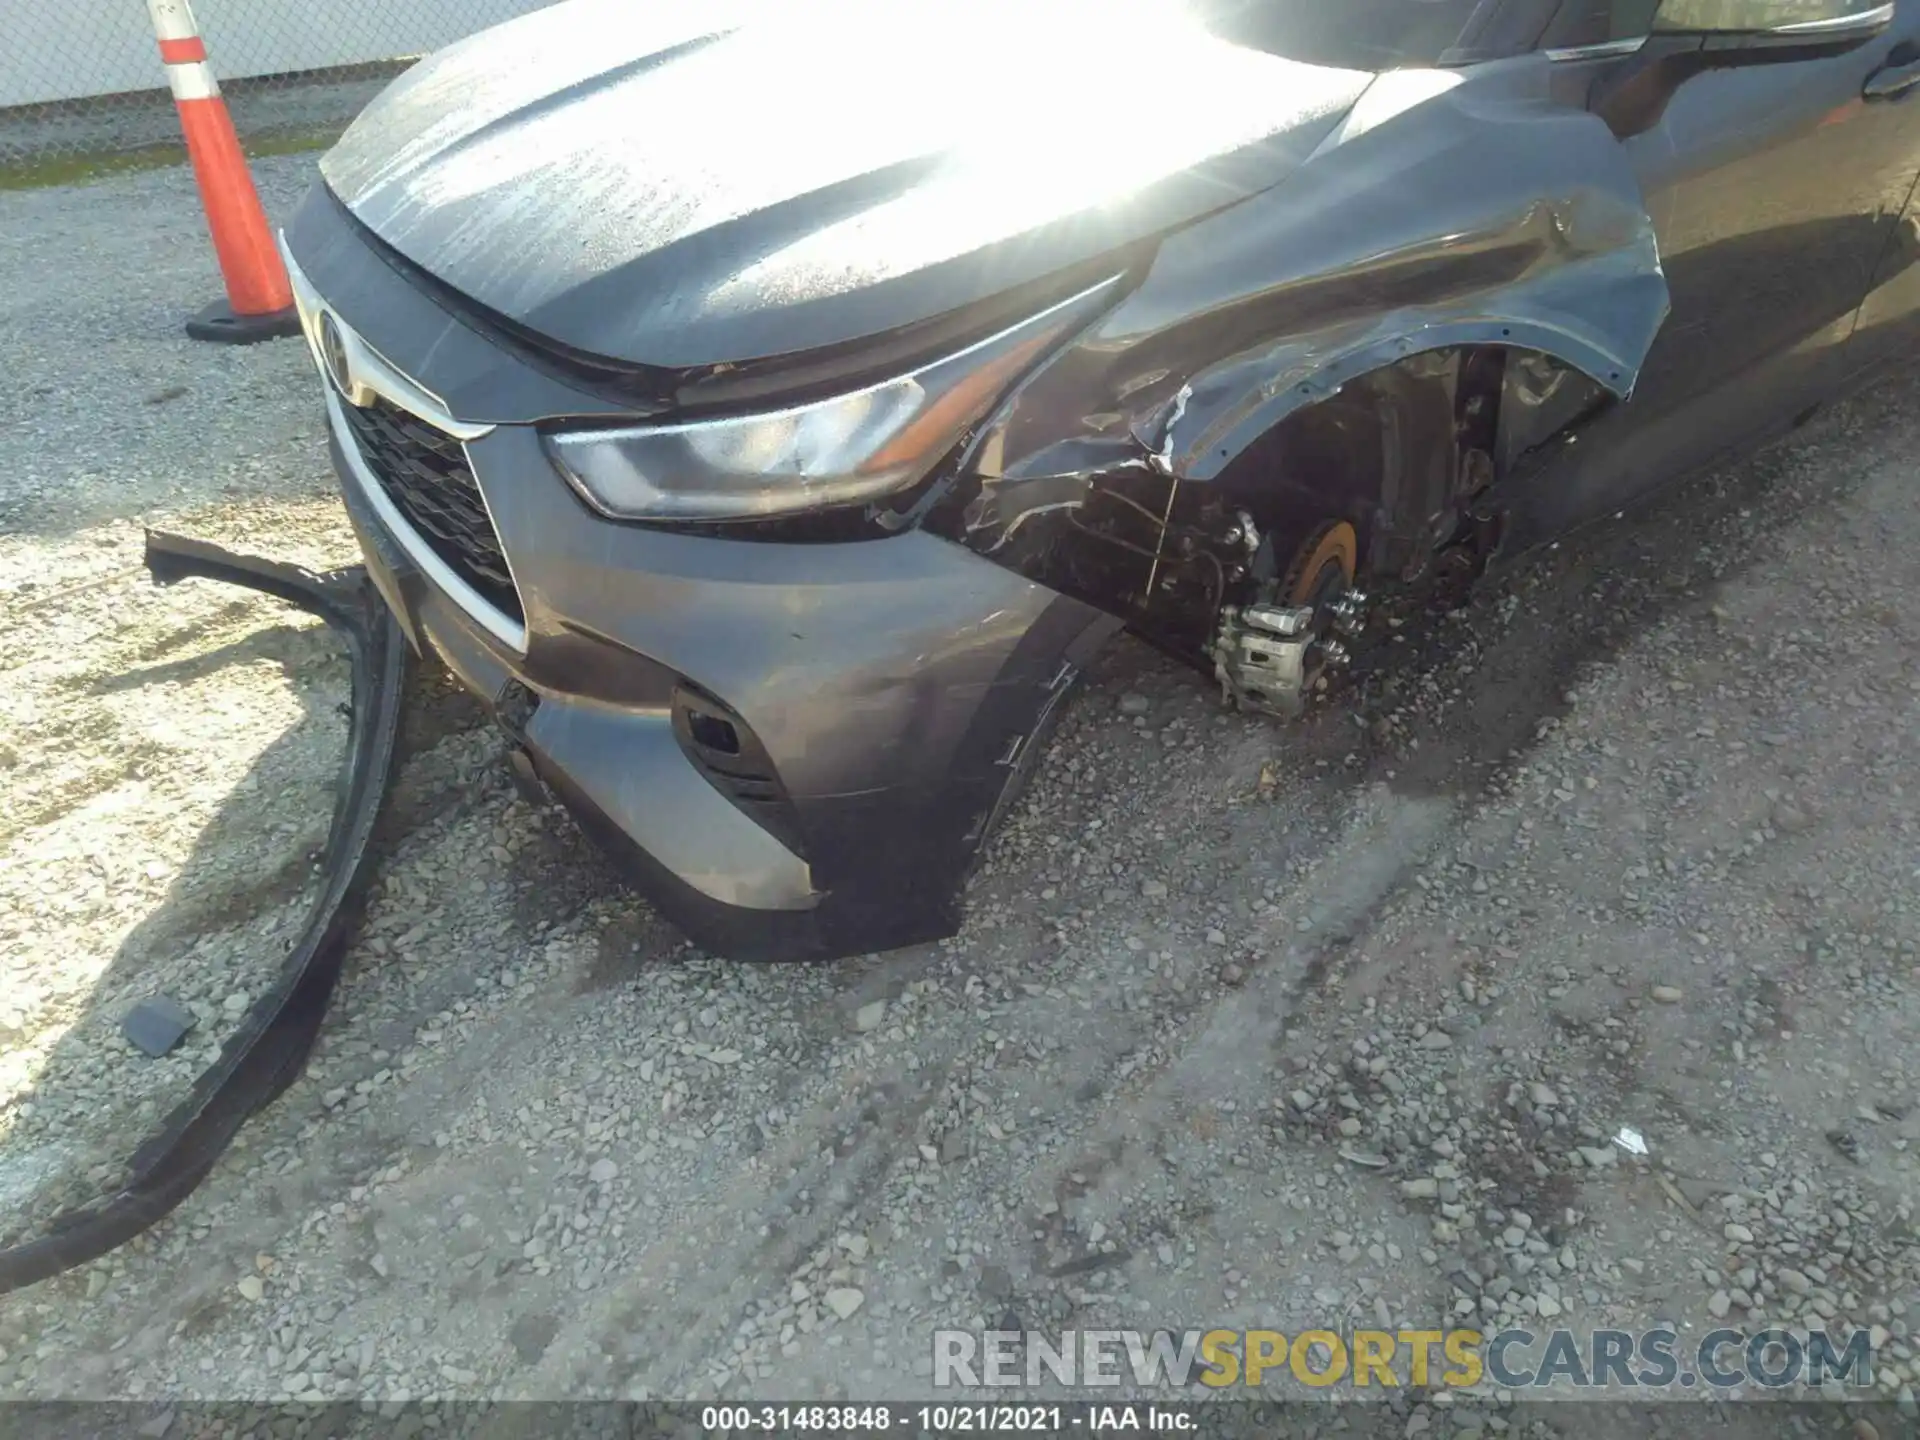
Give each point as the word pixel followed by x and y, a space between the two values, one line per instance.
pixel 261 1059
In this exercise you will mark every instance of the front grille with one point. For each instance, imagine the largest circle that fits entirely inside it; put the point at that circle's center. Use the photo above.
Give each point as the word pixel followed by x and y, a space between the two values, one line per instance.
pixel 424 471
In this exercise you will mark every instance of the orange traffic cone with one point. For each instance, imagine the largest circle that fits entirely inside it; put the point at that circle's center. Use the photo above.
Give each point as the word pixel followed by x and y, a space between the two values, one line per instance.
pixel 259 303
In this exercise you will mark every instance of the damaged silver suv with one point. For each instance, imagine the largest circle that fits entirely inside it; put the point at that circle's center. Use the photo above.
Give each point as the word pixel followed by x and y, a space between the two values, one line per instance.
pixel 770 409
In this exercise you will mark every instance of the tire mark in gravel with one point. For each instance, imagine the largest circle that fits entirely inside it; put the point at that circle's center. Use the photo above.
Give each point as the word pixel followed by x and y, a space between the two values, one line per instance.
pixel 28 813
pixel 17 607
pixel 1376 854
pixel 1367 864
pixel 869 1127
pixel 1231 1055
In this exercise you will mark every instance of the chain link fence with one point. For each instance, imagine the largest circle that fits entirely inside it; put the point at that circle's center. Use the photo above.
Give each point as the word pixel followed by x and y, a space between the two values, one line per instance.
pixel 82 86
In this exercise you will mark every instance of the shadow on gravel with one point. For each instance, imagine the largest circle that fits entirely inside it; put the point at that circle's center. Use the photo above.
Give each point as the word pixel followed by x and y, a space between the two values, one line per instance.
pixel 210 933
pixel 277 644
pixel 1576 605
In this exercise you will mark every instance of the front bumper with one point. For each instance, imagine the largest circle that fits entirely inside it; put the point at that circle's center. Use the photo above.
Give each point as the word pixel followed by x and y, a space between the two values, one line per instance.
pixel 894 690
pixel 897 688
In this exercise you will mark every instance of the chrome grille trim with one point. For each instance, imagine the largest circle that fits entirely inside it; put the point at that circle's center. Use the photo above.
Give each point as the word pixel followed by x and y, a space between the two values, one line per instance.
pixel 371 374
pixel 491 618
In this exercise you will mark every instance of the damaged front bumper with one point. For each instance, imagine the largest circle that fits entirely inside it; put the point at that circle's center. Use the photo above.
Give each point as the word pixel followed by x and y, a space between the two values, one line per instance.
pixel 794 746
pixel 267 1052
pixel 795 750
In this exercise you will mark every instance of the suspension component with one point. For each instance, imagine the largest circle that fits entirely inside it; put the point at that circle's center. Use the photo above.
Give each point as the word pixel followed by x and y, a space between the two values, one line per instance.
pixel 1348 614
pixel 1260 657
pixel 1269 656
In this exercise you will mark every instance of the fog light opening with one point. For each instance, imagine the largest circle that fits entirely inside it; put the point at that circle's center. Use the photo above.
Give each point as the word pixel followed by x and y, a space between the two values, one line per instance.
pixel 710 732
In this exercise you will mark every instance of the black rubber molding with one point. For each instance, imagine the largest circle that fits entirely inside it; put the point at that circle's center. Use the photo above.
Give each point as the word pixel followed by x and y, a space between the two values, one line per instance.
pixel 269 1050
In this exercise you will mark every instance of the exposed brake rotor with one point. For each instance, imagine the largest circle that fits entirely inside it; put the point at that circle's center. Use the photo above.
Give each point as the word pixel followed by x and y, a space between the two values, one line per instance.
pixel 1323 567
pixel 1321 574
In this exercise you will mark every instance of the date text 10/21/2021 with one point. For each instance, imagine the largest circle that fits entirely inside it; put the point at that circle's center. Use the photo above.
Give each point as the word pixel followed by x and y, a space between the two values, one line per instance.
pixel 1087 1418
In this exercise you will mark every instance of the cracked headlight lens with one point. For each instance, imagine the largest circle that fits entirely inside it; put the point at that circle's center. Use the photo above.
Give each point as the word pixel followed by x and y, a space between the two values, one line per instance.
pixel 847 449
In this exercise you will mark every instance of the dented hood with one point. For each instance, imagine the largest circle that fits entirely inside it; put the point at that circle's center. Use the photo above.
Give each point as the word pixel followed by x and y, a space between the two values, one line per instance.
pixel 681 185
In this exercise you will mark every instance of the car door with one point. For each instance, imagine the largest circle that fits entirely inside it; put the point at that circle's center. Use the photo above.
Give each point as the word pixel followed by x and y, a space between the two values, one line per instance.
pixel 1889 323
pixel 1888 326
pixel 1769 186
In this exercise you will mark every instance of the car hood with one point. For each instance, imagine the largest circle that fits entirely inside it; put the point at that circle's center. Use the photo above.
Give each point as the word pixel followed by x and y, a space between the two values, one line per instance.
pixel 683 185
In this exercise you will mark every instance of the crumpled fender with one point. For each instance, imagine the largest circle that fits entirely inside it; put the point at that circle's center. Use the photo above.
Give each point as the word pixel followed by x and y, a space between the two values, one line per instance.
pixel 1502 219
pixel 270 1048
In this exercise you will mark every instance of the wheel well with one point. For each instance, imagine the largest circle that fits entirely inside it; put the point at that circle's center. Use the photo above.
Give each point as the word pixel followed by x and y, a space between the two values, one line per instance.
pixel 1402 451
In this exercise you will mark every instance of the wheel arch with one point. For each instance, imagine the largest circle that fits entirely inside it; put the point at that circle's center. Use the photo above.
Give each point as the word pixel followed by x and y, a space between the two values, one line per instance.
pixel 1228 412
pixel 1401 449
pixel 1497 222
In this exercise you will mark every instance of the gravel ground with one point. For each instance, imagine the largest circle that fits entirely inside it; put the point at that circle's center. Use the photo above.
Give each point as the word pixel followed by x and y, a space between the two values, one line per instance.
pixel 1328 1025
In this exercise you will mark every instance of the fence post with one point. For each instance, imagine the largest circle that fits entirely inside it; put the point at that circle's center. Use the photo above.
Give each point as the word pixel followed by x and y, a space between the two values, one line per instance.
pixel 259 303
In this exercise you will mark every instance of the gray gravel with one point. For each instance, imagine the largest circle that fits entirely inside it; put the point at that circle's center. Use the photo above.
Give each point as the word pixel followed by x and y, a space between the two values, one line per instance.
pixel 1333 1024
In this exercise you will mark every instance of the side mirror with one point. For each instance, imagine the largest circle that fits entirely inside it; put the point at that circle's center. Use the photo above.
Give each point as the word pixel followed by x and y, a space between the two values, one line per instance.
pixel 1691 37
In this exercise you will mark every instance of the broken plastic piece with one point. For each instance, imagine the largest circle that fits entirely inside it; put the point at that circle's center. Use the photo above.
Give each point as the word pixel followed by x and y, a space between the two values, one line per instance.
pixel 265 1055
pixel 1631 1140
pixel 155 1026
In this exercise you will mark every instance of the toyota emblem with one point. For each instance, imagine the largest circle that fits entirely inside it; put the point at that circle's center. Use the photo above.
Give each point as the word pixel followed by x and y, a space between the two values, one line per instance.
pixel 333 354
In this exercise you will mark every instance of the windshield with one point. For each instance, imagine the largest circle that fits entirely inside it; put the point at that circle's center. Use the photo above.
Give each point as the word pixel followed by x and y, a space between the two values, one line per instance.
pixel 1351 34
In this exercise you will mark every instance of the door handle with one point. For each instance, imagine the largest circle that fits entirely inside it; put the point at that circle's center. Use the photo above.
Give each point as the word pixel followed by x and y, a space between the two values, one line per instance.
pixel 1892 82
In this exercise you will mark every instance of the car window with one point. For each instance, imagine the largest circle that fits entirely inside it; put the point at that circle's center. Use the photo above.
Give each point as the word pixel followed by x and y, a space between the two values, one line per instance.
pixel 1353 34
pixel 1596 22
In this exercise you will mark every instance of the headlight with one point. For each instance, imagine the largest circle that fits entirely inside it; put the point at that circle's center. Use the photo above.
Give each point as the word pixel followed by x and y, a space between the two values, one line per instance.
pixel 851 448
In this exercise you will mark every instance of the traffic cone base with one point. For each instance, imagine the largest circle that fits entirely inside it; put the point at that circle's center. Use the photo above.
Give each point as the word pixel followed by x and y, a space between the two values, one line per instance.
pixel 259 301
pixel 222 325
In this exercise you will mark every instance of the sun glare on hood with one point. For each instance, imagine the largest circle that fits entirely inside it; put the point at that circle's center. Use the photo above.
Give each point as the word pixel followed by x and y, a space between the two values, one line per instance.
pixel 661 189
